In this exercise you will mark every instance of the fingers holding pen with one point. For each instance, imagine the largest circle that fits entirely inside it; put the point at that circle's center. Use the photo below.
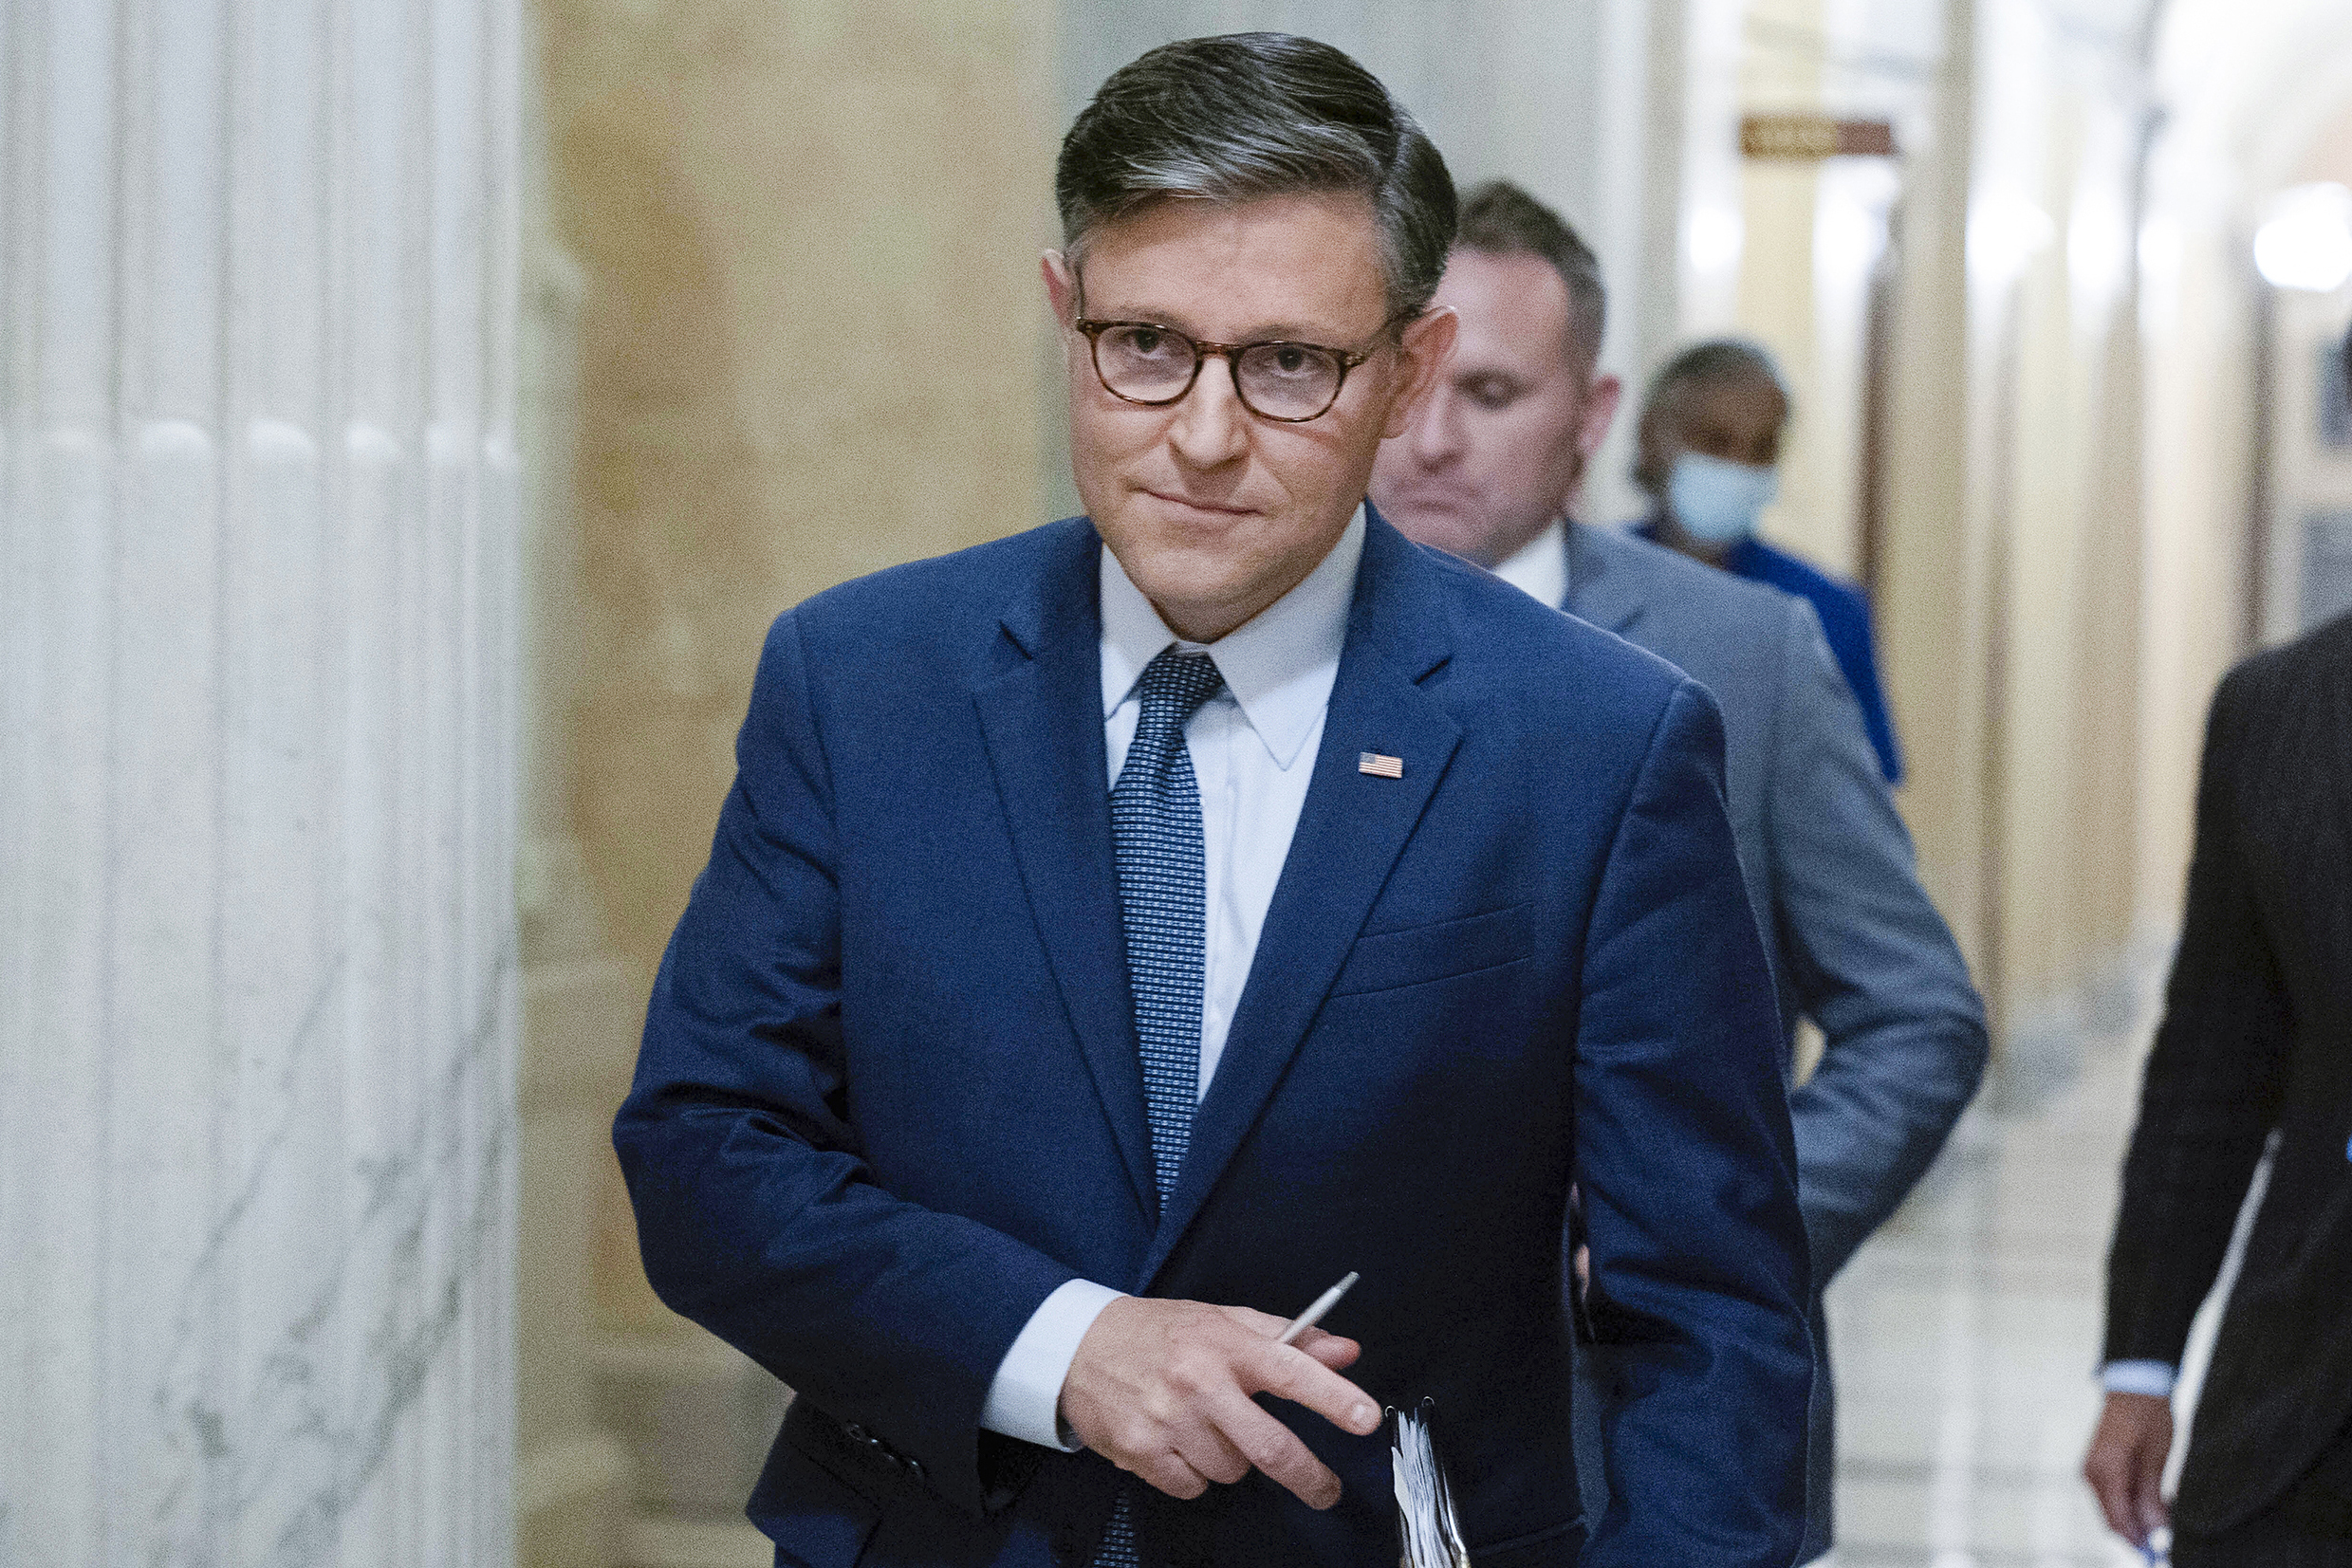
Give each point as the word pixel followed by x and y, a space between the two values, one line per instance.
pixel 1165 1390
pixel 1334 1351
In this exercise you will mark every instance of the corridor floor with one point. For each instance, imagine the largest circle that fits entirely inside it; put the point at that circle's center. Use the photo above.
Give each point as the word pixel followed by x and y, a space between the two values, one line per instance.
pixel 1965 1333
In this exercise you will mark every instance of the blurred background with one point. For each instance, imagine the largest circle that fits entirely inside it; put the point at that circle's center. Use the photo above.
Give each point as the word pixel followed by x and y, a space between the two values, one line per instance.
pixel 416 410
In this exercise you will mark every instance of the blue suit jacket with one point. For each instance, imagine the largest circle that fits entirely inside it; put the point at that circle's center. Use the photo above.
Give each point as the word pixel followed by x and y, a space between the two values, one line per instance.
pixel 889 1098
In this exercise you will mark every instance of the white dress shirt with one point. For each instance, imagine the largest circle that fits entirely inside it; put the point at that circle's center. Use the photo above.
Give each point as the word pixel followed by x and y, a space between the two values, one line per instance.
pixel 1252 748
pixel 1540 567
pixel 2154 1378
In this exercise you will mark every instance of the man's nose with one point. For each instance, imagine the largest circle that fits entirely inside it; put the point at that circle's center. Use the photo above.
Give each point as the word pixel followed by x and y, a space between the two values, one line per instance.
pixel 1435 436
pixel 1212 423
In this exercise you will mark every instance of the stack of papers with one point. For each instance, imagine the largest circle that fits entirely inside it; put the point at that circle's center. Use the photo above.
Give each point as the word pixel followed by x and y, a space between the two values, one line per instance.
pixel 1425 1522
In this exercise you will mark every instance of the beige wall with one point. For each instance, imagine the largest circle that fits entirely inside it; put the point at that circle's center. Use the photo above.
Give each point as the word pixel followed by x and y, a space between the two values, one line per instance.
pixel 808 327
pixel 2012 593
pixel 809 236
pixel 1932 630
pixel 786 330
pixel 1777 297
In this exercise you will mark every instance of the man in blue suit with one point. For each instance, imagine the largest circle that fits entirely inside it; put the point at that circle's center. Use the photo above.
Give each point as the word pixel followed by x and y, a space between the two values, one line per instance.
pixel 1490 467
pixel 1118 932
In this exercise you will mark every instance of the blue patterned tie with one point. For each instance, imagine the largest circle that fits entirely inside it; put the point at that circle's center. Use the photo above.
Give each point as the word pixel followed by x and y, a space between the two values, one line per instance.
pixel 1155 834
pixel 1162 905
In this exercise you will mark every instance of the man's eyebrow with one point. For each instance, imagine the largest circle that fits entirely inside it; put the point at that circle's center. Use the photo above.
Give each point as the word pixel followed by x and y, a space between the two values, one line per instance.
pixel 1260 333
pixel 1294 332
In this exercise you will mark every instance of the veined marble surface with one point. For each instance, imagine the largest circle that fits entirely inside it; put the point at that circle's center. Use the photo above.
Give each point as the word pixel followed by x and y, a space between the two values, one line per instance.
pixel 257 962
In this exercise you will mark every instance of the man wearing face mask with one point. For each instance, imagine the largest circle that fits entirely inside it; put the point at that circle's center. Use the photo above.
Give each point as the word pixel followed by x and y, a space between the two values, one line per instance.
pixel 1490 467
pixel 1710 436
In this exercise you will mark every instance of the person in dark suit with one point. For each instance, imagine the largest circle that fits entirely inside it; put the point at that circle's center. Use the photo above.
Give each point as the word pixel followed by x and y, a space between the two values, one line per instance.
pixel 1489 469
pixel 2252 1053
pixel 1118 932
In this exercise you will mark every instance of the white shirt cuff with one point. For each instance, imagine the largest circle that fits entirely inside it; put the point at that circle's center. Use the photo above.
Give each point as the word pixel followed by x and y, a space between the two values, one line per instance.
pixel 1024 1397
pixel 2154 1378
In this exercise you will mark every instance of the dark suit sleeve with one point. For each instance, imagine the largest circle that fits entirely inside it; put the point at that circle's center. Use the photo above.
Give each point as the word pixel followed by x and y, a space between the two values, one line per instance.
pixel 756 1215
pixel 2215 1077
pixel 1869 959
pixel 1688 1181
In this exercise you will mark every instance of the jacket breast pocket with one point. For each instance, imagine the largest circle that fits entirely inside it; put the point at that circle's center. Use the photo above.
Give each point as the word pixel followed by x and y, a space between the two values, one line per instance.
pixel 1389 960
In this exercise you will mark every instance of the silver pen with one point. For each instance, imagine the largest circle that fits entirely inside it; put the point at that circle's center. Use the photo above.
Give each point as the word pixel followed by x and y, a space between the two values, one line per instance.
pixel 1313 1315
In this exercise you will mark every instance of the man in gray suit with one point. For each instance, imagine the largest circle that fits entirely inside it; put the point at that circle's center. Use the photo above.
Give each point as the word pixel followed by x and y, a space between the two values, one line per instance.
pixel 1489 469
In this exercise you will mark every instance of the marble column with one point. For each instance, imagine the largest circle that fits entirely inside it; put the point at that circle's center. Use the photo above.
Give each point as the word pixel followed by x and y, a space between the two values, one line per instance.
pixel 257 627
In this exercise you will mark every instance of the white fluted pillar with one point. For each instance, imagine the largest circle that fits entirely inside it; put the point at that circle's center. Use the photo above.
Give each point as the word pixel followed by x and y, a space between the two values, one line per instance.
pixel 257 583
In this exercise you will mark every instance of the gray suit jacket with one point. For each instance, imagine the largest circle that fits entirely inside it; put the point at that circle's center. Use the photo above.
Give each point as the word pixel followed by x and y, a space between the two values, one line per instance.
pixel 1854 944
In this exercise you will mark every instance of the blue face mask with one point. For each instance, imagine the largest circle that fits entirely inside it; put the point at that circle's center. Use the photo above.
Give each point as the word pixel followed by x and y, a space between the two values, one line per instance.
pixel 1717 501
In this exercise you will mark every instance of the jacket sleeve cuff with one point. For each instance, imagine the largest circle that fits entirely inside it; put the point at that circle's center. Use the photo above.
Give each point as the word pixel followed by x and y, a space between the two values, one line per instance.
pixel 1024 1397
pixel 2154 1378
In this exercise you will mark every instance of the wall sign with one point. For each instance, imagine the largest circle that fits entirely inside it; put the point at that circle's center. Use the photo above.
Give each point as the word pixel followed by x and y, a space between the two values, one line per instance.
pixel 1813 138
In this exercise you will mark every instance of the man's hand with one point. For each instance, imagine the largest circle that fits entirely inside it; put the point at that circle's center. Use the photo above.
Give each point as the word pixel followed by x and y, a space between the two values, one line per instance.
pixel 2125 1465
pixel 1163 1389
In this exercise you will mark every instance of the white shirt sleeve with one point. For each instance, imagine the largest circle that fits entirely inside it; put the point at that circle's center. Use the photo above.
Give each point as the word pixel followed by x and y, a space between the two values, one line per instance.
pixel 1024 1397
pixel 2154 1378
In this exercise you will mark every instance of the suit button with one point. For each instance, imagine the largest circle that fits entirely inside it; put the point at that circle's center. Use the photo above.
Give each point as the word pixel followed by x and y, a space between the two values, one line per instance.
pixel 856 1432
pixel 914 1468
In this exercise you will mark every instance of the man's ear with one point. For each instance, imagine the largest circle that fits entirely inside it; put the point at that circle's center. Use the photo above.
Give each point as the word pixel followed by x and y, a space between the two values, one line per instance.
pixel 1060 286
pixel 1596 411
pixel 1599 413
pixel 1424 349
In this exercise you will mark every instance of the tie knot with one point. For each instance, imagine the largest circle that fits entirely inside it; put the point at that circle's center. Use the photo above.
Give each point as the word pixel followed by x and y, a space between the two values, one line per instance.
pixel 1175 684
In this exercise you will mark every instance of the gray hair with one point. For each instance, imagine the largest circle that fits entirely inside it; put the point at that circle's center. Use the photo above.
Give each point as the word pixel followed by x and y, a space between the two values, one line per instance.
pixel 1252 115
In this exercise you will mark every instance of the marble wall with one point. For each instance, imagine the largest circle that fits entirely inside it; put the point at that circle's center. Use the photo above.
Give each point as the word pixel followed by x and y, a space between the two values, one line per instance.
pixel 257 619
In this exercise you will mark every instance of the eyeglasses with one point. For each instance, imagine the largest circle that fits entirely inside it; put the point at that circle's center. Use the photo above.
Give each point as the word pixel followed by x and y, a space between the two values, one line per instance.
pixel 1144 362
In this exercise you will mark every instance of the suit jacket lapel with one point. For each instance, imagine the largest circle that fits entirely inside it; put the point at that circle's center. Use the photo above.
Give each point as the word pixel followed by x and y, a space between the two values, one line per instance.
pixel 1609 599
pixel 1350 831
pixel 1042 719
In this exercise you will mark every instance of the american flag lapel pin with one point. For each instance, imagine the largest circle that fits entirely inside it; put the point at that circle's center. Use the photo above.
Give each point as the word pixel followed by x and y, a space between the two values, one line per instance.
pixel 1380 766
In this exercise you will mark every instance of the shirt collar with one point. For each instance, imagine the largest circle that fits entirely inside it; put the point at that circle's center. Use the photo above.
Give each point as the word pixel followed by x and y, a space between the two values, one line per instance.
pixel 1540 567
pixel 1278 665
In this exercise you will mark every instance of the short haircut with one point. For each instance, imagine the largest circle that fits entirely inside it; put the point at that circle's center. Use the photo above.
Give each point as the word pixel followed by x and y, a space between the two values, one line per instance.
pixel 1500 219
pixel 1716 360
pixel 1253 115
